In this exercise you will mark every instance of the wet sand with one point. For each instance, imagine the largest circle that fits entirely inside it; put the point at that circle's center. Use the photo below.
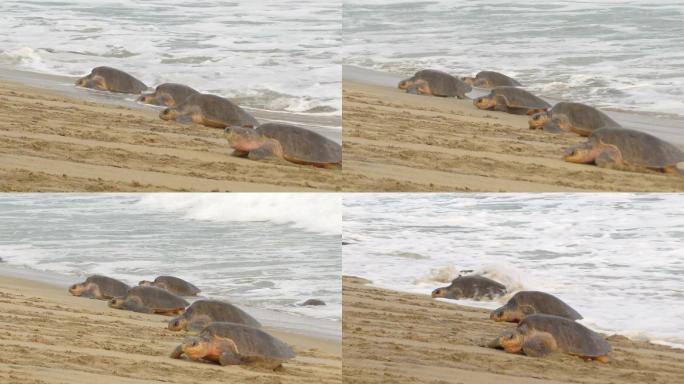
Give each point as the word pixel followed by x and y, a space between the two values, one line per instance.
pixel 393 141
pixel 49 336
pixel 397 337
pixel 52 141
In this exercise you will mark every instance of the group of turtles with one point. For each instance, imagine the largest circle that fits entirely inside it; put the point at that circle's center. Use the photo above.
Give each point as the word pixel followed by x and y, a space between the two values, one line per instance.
pixel 546 324
pixel 225 334
pixel 244 133
pixel 609 145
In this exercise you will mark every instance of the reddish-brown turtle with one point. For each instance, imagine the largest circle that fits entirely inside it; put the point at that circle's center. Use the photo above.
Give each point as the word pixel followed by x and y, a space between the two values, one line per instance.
pixel 112 80
pixel 512 100
pixel 175 285
pixel 540 335
pixel 435 83
pixel 99 287
pixel 235 344
pixel 525 303
pixel 150 300
pixel 203 312
pixel 471 287
pixel 168 95
pixel 627 149
pixel 209 110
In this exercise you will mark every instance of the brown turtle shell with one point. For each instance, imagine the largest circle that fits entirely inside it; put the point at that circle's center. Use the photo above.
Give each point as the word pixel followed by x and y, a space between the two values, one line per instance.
pixel 443 84
pixel 301 145
pixel 474 287
pixel 109 287
pixel 220 111
pixel 177 93
pixel 156 299
pixel 250 342
pixel 497 79
pixel 519 98
pixel 219 311
pixel 583 118
pixel 118 80
pixel 571 337
pixel 639 148
pixel 540 303
pixel 176 286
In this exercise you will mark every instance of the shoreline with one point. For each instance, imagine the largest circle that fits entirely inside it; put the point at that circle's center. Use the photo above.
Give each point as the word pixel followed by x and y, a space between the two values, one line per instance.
pixel 394 141
pixel 53 142
pixel 287 322
pixel 404 337
pixel 49 335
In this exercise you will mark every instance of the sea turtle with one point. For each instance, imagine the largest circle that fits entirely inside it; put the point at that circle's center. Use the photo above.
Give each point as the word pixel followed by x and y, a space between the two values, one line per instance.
pixel 620 148
pixel 203 312
pixel 525 303
pixel 168 94
pixel 312 302
pixel 539 335
pixel 99 287
pixel 175 285
pixel 571 117
pixel 512 100
pixel 235 344
pixel 210 110
pixel 471 287
pixel 435 83
pixel 490 79
pixel 288 142
pixel 150 300
pixel 112 80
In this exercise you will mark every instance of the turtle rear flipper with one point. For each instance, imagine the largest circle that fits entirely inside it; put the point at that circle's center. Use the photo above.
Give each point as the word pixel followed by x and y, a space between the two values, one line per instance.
pixel 539 345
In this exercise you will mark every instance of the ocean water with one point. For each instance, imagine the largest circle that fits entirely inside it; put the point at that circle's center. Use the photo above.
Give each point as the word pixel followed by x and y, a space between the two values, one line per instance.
pixel 616 258
pixel 263 251
pixel 617 54
pixel 263 54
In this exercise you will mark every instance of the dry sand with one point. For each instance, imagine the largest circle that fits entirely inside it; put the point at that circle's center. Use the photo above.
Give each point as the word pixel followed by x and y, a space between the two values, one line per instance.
pixel 49 336
pixel 393 141
pixel 405 338
pixel 52 142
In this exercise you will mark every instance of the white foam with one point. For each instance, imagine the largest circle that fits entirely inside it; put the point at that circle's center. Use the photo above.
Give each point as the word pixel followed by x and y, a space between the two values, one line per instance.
pixel 308 211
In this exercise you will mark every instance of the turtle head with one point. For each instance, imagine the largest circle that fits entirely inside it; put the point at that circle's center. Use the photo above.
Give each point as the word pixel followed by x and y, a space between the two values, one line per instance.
pixel 406 83
pixel 77 289
pixel 147 98
pixel 178 324
pixel 439 292
pixel 485 102
pixel 92 81
pixel 243 139
pixel 468 80
pixel 195 347
pixel 508 314
pixel 168 114
pixel 584 153
pixel 116 302
pixel 511 341
pixel 538 120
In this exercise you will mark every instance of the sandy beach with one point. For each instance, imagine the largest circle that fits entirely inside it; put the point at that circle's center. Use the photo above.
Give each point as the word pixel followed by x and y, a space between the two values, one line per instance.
pixel 53 141
pixel 393 141
pixel 49 336
pixel 390 336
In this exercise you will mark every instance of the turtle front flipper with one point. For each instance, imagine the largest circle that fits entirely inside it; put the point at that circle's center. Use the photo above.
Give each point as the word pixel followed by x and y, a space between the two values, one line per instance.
pixel 238 153
pixel 501 104
pixel 412 90
pixel 552 127
pixel 184 119
pixel 610 157
pixel 198 325
pixel 229 358
pixel 271 149
pixel 539 344
pixel 177 352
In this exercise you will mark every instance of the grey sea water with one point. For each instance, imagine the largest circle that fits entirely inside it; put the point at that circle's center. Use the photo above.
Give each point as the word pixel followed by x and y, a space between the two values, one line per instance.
pixel 264 54
pixel 616 258
pixel 616 54
pixel 262 251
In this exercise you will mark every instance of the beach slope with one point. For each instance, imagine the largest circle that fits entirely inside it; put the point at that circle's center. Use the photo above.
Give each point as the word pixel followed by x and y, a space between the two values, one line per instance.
pixel 394 141
pixel 53 142
pixel 49 336
pixel 405 338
